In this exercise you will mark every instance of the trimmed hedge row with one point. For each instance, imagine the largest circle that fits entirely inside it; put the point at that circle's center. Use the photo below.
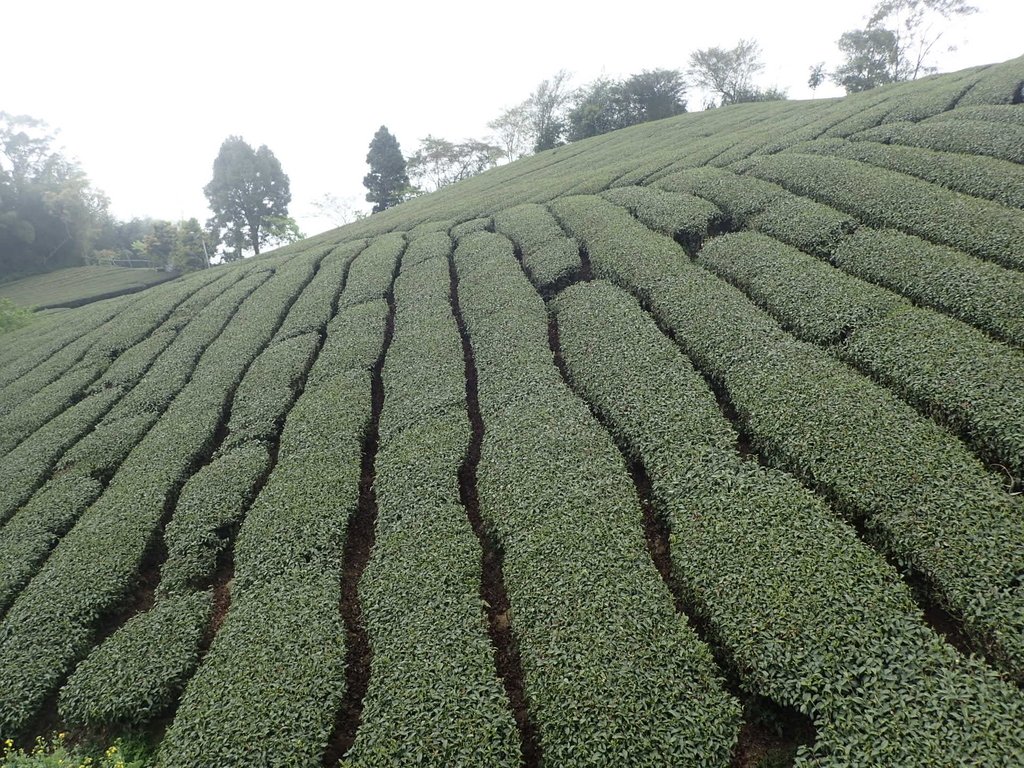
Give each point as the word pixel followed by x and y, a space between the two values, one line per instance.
pixel 549 257
pixel 1001 113
pixel 988 177
pixel 276 668
pixel 481 224
pixel 434 697
pixel 265 694
pixel 1003 141
pixel 213 503
pixel 810 299
pixel 673 215
pixel 1000 84
pixel 27 348
pixel 769 208
pixel 315 307
pixel 909 349
pixel 922 496
pixel 95 350
pixel 141 668
pixel 985 295
pixel 371 274
pixel 53 621
pixel 125 350
pixel 270 387
pixel 24 469
pixel 775 575
pixel 884 198
pixel 210 508
pixel 915 100
pixel 594 623
pixel 434 245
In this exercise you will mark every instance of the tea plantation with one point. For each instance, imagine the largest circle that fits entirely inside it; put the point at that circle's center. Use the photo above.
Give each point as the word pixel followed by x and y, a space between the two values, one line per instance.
pixel 699 443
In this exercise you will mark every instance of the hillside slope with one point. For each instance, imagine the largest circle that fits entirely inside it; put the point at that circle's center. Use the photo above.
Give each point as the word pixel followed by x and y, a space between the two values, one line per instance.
pixel 608 456
pixel 77 286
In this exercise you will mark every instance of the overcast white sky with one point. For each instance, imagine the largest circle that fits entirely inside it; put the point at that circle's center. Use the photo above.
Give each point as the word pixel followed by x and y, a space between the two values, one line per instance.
pixel 144 93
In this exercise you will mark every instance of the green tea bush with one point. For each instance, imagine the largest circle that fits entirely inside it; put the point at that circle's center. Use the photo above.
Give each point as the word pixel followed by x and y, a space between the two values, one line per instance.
pixel 549 256
pixel 909 481
pixel 882 198
pixel 773 572
pixel 593 621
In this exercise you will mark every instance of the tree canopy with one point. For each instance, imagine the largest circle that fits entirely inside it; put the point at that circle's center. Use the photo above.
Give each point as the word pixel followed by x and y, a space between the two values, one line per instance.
pixel 249 195
pixel 388 180
pixel 896 44
pixel 49 212
pixel 728 73
pixel 439 162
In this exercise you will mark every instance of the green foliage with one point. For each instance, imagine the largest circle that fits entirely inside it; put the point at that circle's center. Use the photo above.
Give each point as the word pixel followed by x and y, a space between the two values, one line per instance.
pixel 387 181
pixel 593 621
pixel 249 195
pixel 871 56
pixel 896 44
pixel 94 566
pixel 438 162
pixel 1004 141
pixel 56 753
pixel 12 316
pixel 49 212
pixel 140 670
pixel 790 638
pixel 883 198
pixel 182 393
pixel 607 105
pixel 434 697
pixel 549 257
pixel 985 295
pixel 895 470
pixel 729 73
pixel 990 178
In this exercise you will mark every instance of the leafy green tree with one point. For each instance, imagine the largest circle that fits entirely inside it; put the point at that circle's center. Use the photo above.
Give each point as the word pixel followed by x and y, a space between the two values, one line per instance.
pixel 248 188
pixel 439 162
pixel 897 43
pixel 654 94
pixel 870 59
pixel 546 109
pixel 512 129
pixel 50 214
pixel 387 181
pixel 607 105
pixel 190 248
pixel 729 73
pixel 599 107
pixel 817 76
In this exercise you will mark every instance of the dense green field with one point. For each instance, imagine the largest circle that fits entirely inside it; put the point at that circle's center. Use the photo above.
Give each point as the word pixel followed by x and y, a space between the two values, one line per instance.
pixel 77 286
pixel 698 443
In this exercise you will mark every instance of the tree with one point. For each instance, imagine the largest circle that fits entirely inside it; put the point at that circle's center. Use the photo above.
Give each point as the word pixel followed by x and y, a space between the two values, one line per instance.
pixel 439 162
pixel 190 249
pixel 607 105
pixel 546 109
pixel 897 42
pixel 817 76
pixel 50 215
pixel 653 95
pixel 599 107
pixel 870 59
pixel 513 131
pixel 338 211
pixel 248 189
pixel 728 73
pixel 387 181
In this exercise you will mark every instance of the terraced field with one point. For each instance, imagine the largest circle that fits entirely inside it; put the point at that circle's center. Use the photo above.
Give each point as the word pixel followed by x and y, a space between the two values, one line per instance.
pixel 78 286
pixel 697 443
